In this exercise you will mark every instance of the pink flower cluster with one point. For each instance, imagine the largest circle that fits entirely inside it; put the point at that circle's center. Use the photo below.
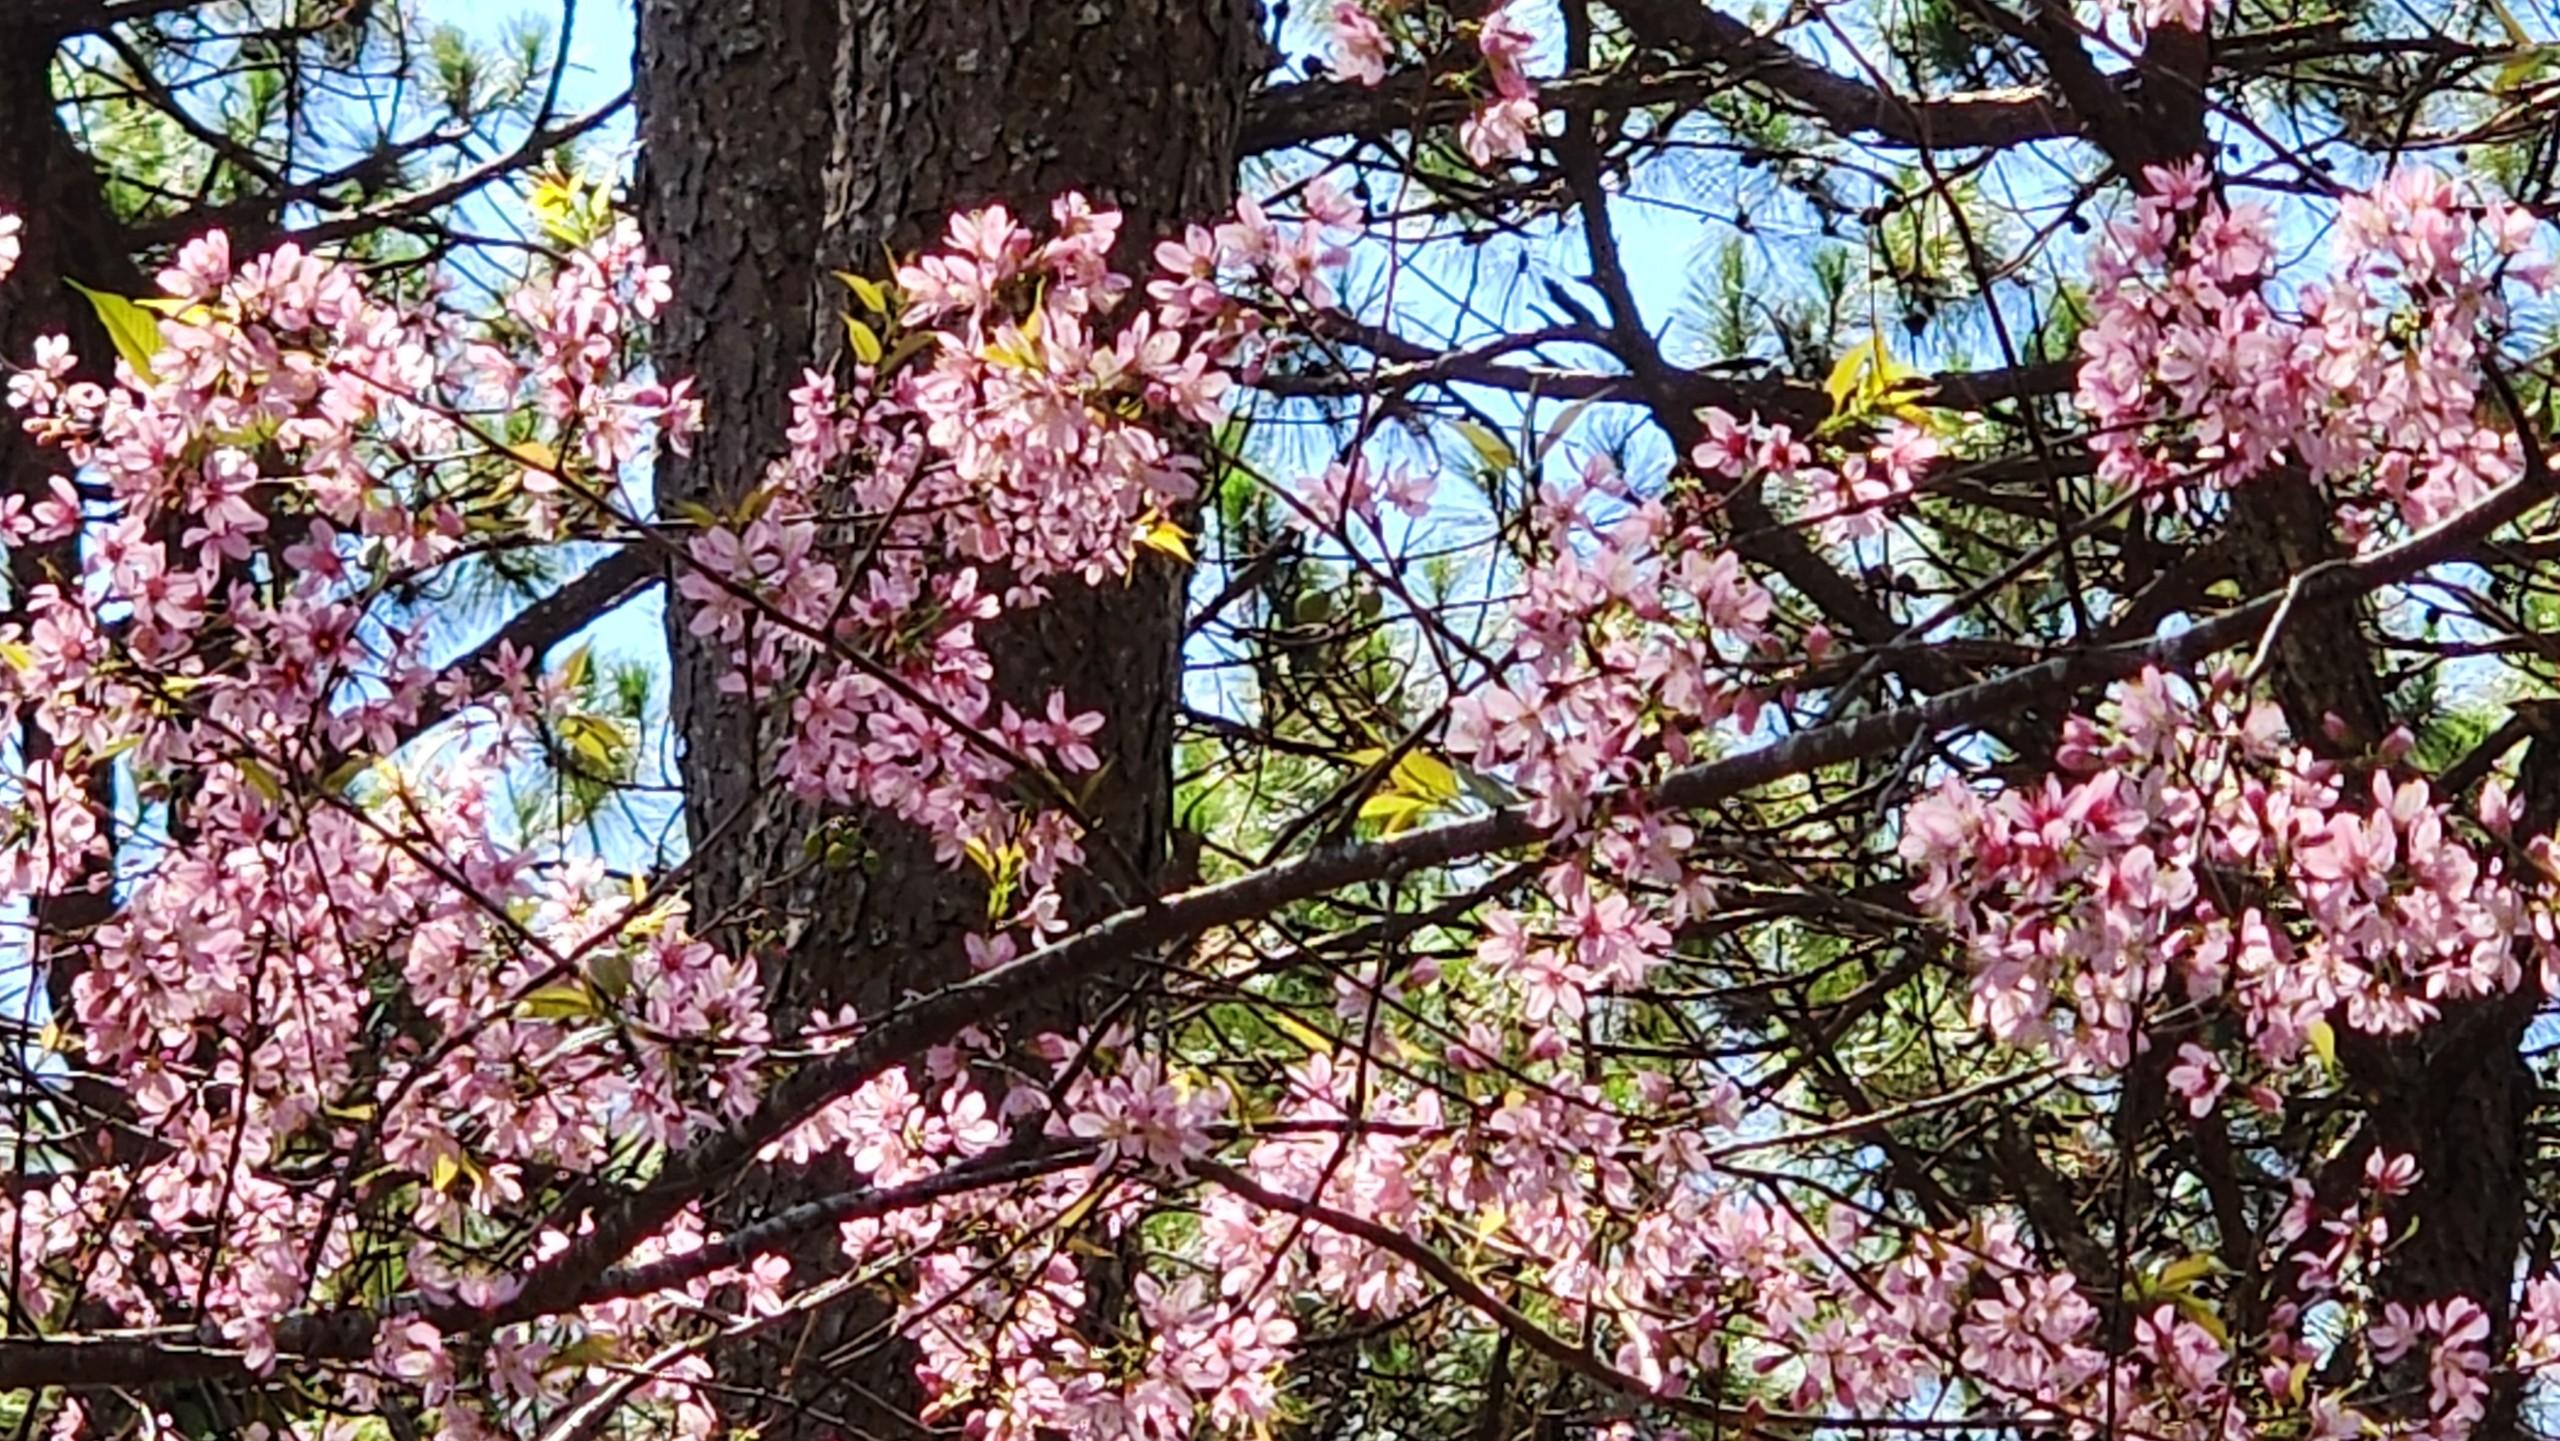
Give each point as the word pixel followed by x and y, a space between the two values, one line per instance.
pixel 1627 636
pixel 2085 907
pixel 1500 127
pixel 1017 453
pixel 322 962
pixel 1611 1218
pixel 1847 501
pixel 1360 44
pixel 999 1303
pixel 359 1031
pixel 2194 376
pixel 1359 34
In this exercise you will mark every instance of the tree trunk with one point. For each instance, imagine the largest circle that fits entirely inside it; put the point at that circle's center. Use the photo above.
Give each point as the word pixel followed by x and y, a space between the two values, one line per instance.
pixel 786 138
pixel 69 233
pixel 2456 1097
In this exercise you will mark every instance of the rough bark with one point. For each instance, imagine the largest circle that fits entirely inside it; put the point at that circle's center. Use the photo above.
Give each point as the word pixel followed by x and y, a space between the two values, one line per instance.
pixel 785 138
pixel 2321 669
pixel 68 233
pixel 2457 1097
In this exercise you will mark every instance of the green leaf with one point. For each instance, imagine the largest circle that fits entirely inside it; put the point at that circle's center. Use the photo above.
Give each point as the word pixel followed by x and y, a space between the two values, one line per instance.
pixel 260 779
pixel 1842 385
pixel 567 1001
pixel 1167 538
pixel 1426 776
pixel 249 437
pixel 1016 347
pixel 589 1350
pixel 570 208
pixel 1869 381
pixel 2182 1275
pixel 596 741
pixel 610 973
pixel 1489 447
pixel 873 297
pixel 1393 814
pixel 1420 786
pixel 2517 35
pixel 2522 71
pixel 909 346
pixel 1316 1042
pixel 193 312
pixel 2324 1044
pixel 2201 1311
pixel 575 670
pixel 866 341
pixel 135 333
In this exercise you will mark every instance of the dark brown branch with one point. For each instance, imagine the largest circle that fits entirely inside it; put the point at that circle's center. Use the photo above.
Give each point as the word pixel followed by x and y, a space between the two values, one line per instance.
pixel 1715 52
pixel 255 216
pixel 1704 35
pixel 1456 1282
pixel 538 627
pixel 776 1232
pixel 1409 363
pixel 69 19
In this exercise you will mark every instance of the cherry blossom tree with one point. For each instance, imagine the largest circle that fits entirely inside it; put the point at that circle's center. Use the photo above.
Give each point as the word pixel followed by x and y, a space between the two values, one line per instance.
pixel 1773 898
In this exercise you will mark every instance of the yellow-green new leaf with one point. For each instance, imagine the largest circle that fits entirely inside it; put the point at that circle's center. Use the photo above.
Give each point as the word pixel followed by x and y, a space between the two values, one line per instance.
pixel 1869 381
pixel 2202 1313
pixel 1316 1042
pixel 1393 813
pixel 1422 774
pixel 347 772
pixel 1419 786
pixel 1167 538
pixel 1492 449
pixel 564 1002
pixel 865 341
pixel 260 779
pixel 596 741
pixel 869 292
pixel 2324 1044
pixel 2182 1275
pixel 2517 35
pixel 135 333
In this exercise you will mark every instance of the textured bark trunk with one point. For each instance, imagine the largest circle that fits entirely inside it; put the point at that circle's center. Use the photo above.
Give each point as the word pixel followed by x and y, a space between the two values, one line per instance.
pixel 785 138
pixel 69 233
pixel 2456 1100
pixel 2323 673
pixel 2457 1097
